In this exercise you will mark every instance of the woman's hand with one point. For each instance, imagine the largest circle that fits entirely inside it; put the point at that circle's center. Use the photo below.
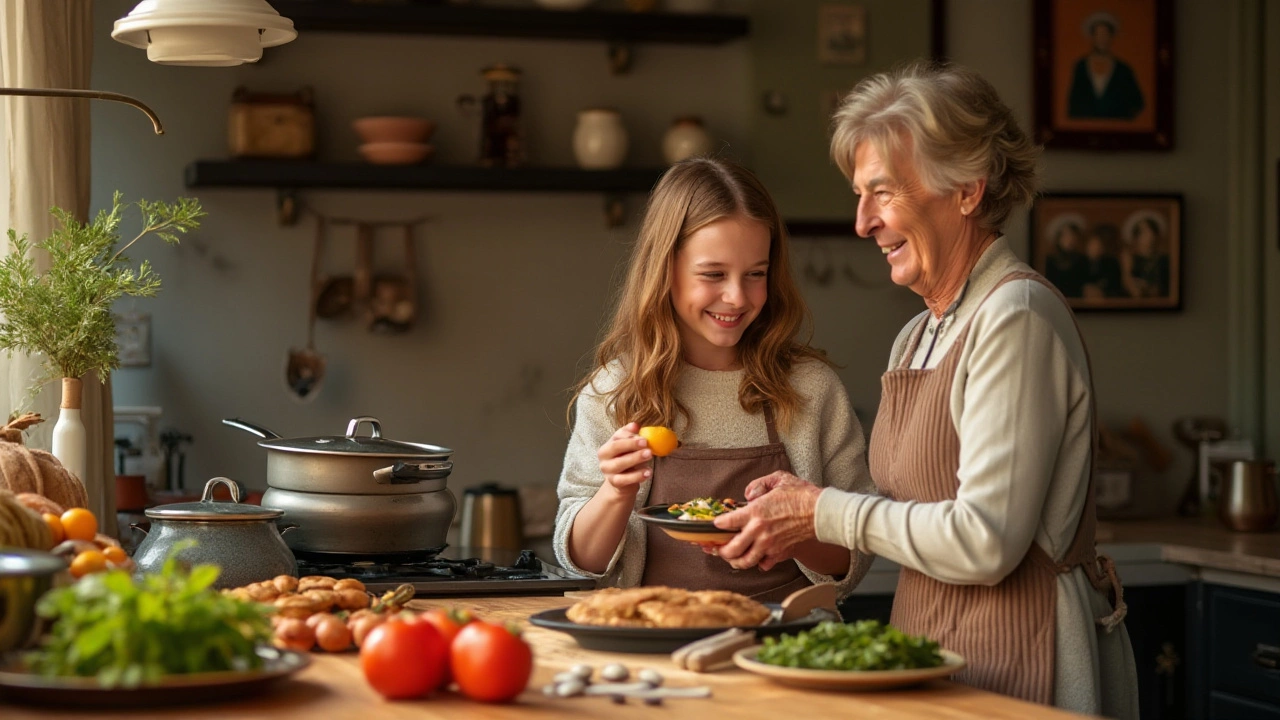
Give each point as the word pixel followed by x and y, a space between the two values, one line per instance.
pixel 778 516
pixel 624 460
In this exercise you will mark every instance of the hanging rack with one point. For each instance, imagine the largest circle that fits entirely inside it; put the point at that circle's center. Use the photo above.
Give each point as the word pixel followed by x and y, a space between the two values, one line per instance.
pixel 89 94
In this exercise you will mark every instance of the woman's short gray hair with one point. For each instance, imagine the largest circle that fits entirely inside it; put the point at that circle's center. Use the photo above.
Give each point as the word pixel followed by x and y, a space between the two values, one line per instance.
pixel 956 127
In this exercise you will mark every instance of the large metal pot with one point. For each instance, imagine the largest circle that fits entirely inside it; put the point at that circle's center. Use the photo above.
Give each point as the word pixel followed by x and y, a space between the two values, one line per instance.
pixel 364 524
pixel 357 495
pixel 240 538
pixel 350 464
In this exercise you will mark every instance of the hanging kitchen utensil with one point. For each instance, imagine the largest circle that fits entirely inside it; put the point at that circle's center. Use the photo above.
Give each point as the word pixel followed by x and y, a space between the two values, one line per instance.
pixel 363 280
pixel 394 302
pixel 305 368
pixel 334 296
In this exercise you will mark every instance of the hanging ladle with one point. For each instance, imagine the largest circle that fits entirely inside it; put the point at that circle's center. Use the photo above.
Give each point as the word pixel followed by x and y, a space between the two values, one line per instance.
pixel 304 368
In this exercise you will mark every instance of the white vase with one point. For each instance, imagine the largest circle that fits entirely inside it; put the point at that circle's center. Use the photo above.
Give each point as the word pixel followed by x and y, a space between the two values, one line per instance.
pixel 685 138
pixel 599 139
pixel 68 433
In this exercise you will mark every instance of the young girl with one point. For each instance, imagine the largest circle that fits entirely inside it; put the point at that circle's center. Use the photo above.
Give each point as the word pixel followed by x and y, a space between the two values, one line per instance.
pixel 704 341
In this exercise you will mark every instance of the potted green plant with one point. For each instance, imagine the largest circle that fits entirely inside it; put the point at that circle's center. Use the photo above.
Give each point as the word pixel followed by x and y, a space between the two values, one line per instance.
pixel 64 313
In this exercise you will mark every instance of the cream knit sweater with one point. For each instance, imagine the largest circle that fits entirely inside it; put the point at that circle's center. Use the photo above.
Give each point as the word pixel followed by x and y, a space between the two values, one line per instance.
pixel 825 444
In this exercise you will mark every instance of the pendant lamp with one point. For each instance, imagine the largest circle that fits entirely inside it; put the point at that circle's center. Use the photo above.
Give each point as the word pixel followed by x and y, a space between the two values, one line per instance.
pixel 212 33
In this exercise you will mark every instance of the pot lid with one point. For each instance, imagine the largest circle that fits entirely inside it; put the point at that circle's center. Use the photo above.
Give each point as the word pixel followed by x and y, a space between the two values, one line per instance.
pixel 210 510
pixel 372 445
pixel 21 562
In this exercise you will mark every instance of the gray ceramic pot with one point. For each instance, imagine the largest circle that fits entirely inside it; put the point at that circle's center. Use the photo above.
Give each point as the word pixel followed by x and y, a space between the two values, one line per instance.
pixel 25 575
pixel 240 538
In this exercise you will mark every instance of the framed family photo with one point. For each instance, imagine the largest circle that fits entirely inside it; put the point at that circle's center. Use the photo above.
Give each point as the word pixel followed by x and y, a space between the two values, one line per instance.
pixel 1110 252
pixel 842 34
pixel 1104 74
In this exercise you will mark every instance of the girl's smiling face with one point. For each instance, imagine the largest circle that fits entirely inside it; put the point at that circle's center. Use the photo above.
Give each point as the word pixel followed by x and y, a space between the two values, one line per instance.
pixel 719 285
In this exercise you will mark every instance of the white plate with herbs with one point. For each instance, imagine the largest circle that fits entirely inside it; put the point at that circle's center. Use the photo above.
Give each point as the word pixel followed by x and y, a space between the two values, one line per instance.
pixel 863 655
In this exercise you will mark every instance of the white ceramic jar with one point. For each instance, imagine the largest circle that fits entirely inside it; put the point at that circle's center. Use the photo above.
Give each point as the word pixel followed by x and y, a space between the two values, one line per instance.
pixel 599 139
pixel 685 138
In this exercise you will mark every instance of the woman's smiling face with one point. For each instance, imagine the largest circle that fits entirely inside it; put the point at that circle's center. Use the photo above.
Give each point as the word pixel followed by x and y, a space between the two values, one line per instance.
pixel 719 285
pixel 914 228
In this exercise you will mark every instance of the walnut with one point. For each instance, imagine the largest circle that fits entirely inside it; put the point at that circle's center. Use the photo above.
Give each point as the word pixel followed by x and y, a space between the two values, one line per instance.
pixel 350 599
pixel 315 582
pixel 285 583
pixel 349 583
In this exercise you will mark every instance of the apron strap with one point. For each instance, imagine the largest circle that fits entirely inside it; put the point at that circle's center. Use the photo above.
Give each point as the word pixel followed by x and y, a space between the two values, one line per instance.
pixel 768 423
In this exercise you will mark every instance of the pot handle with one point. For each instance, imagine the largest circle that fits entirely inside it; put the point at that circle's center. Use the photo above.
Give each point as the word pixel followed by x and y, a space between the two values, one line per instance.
pixel 232 485
pixel 375 427
pixel 286 528
pixel 408 473
pixel 247 426
pixel 139 528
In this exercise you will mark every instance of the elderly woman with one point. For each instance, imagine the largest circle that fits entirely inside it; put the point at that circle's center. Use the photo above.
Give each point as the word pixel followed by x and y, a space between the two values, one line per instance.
pixel 983 445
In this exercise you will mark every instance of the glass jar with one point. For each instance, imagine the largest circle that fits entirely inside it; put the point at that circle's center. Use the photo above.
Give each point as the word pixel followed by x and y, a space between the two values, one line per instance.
pixel 501 142
pixel 685 138
pixel 599 139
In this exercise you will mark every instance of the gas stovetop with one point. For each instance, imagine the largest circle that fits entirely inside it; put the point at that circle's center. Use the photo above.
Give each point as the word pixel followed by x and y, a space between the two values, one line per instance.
pixel 451 572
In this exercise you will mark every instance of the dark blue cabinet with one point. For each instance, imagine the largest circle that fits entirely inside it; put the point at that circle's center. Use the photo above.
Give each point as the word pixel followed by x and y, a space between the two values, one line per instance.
pixel 1238 642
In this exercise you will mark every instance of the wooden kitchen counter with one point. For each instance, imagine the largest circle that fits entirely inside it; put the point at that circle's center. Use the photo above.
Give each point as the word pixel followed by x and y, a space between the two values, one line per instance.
pixel 1203 542
pixel 333 687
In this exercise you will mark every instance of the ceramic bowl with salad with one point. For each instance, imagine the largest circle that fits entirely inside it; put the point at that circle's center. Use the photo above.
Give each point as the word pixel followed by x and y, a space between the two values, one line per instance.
pixel 692 521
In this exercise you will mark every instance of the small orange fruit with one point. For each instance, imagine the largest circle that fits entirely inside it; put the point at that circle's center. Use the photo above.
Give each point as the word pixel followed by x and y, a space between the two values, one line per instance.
pixel 55 527
pixel 87 562
pixel 79 524
pixel 114 555
pixel 662 441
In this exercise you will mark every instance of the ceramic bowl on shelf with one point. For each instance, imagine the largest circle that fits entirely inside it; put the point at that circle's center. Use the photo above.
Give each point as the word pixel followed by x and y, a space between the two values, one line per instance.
pixel 396 153
pixel 393 129
pixel 564 4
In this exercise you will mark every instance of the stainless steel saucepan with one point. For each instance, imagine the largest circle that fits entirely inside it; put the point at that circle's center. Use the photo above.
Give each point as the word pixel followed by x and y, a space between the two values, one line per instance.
pixel 351 464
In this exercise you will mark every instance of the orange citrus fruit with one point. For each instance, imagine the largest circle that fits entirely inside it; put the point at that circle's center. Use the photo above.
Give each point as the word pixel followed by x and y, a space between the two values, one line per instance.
pixel 55 527
pixel 114 555
pixel 662 441
pixel 79 524
pixel 87 562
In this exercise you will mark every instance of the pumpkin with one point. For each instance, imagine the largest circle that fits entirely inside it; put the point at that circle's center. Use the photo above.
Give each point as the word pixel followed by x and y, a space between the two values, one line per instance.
pixel 20 527
pixel 24 470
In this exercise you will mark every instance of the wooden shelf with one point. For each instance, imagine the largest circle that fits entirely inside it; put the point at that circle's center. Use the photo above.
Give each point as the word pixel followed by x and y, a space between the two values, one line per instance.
pixel 296 174
pixel 478 20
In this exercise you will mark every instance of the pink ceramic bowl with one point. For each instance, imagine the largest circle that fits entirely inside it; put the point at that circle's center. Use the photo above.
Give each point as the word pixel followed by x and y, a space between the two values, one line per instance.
pixel 396 153
pixel 393 129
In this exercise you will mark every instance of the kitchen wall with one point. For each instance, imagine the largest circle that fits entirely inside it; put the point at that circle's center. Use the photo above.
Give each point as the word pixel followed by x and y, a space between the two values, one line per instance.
pixel 516 285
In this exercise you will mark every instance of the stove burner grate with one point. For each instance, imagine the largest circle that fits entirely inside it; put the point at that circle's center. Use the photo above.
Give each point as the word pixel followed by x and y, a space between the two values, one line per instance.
pixel 525 567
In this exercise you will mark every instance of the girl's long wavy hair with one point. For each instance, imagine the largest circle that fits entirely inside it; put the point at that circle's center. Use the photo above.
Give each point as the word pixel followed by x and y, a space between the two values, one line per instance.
pixel 643 334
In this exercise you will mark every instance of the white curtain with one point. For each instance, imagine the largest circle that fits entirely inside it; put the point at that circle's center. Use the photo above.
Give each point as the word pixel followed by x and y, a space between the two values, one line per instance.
pixel 47 44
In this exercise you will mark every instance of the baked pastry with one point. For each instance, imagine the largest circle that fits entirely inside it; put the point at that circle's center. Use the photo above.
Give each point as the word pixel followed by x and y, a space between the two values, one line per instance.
pixel 664 607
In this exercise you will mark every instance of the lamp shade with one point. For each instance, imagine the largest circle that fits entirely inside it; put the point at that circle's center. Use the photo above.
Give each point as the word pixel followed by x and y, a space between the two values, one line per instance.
pixel 214 33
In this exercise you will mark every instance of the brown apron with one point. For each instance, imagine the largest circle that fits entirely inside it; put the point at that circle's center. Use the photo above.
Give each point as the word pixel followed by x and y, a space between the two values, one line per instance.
pixel 1006 633
pixel 690 473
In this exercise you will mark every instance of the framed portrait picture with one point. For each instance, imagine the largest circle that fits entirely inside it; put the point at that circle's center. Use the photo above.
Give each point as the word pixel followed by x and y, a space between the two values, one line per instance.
pixel 842 34
pixel 133 339
pixel 1110 252
pixel 1104 74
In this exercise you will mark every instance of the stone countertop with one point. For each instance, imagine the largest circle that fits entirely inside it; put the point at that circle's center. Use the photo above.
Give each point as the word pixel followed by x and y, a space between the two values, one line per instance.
pixel 1204 543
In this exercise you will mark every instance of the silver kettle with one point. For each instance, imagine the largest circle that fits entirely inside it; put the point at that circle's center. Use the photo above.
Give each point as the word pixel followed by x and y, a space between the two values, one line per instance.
pixel 491 518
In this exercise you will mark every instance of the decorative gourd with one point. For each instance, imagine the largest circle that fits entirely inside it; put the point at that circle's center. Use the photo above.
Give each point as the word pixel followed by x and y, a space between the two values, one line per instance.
pixel 20 527
pixel 25 470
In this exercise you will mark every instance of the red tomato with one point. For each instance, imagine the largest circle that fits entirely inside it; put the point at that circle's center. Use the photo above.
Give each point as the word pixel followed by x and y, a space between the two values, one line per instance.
pixel 489 662
pixel 404 659
pixel 448 622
